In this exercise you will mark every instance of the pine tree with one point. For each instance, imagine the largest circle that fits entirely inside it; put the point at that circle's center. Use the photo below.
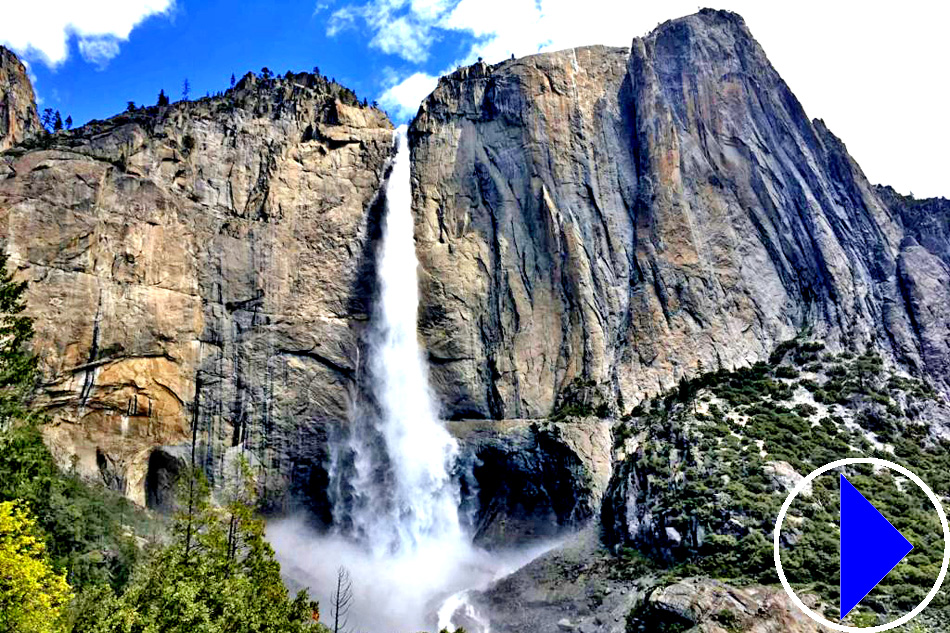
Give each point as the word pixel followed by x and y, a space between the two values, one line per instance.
pixel 185 89
pixel 47 119
pixel 57 122
pixel 162 98
pixel 232 80
pixel 130 106
pixel 69 122
pixel 17 363
pixel 265 73
pixel 217 574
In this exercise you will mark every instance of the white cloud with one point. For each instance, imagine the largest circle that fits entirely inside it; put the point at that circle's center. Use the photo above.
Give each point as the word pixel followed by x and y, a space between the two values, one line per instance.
pixel 341 20
pixel 874 75
pixel 99 24
pixel 430 10
pixel 404 37
pixel 403 98
pixel 99 50
pixel 399 27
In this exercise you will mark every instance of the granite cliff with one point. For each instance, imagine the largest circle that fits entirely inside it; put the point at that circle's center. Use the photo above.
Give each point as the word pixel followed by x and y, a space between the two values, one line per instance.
pixel 625 218
pixel 201 276
pixel 600 225
pixel 593 226
pixel 18 116
pixel 198 268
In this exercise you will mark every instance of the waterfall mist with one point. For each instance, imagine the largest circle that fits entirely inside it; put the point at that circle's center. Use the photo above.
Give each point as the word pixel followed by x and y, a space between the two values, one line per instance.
pixel 395 500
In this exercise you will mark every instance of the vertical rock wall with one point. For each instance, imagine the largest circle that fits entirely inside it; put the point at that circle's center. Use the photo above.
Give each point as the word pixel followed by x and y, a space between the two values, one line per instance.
pixel 18 116
pixel 199 266
pixel 620 219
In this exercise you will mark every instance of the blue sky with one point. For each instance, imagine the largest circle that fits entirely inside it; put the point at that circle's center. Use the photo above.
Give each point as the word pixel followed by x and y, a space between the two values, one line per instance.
pixel 873 73
pixel 208 40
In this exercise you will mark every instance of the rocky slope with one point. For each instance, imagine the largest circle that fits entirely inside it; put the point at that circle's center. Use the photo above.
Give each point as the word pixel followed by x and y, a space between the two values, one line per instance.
pixel 628 217
pixel 580 587
pixel 18 116
pixel 701 472
pixel 199 266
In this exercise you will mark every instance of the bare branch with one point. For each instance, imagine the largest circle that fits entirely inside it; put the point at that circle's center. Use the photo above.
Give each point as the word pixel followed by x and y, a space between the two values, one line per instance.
pixel 341 600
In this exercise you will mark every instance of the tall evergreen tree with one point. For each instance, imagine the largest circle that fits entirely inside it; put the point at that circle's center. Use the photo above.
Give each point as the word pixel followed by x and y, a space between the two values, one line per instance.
pixel 17 363
pixel 47 119
pixel 185 89
pixel 162 98
pixel 218 574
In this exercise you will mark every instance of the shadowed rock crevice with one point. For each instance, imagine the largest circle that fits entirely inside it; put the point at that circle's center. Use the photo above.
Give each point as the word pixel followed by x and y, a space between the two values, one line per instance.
pixel 164 469
pixel 528 480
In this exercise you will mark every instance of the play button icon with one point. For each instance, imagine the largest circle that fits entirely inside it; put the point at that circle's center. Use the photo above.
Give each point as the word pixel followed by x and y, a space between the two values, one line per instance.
pixel 870 546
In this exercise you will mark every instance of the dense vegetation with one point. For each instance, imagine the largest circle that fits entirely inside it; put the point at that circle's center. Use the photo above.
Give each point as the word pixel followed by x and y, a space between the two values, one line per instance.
pixel 217 575
pixel 88 531
pixel 707 458
pixel 32 593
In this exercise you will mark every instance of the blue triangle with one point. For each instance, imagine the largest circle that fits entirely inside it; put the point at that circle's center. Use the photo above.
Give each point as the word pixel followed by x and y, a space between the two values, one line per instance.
pixel 870 547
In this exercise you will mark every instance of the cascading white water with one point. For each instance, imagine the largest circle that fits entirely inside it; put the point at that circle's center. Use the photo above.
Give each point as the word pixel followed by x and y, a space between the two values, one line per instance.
pixel 420 501
pixel 396 518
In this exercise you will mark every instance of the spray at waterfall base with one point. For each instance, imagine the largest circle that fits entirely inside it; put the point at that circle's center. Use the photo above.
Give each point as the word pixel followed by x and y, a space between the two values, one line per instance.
pixel 395 499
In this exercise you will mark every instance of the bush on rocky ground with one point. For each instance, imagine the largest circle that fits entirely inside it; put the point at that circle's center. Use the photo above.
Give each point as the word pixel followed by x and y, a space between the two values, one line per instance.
pixel 706 466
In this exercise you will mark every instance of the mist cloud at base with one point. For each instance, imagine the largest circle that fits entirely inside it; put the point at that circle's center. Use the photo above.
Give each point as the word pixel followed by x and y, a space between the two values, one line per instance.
pixel 400 593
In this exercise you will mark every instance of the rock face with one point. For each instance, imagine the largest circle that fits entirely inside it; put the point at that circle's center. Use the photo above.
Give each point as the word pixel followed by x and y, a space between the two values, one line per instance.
pixel 526 480
pixel 923 269
pixel 580 587
pixel 197 272
pixel 629 216
pixel 700 605
pixel 592 226
pixel 18 117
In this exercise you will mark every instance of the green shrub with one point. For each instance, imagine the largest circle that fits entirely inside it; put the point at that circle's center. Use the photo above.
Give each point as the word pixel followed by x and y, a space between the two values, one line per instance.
pixel 698 473
pixel 784 371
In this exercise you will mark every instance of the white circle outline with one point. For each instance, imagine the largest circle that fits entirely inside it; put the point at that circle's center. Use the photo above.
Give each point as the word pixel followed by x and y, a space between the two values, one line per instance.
pixel 847 462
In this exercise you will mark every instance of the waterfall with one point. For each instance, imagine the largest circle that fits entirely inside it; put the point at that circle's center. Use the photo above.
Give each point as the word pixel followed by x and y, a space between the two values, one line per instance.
pixel 395 499
pixel 405 494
